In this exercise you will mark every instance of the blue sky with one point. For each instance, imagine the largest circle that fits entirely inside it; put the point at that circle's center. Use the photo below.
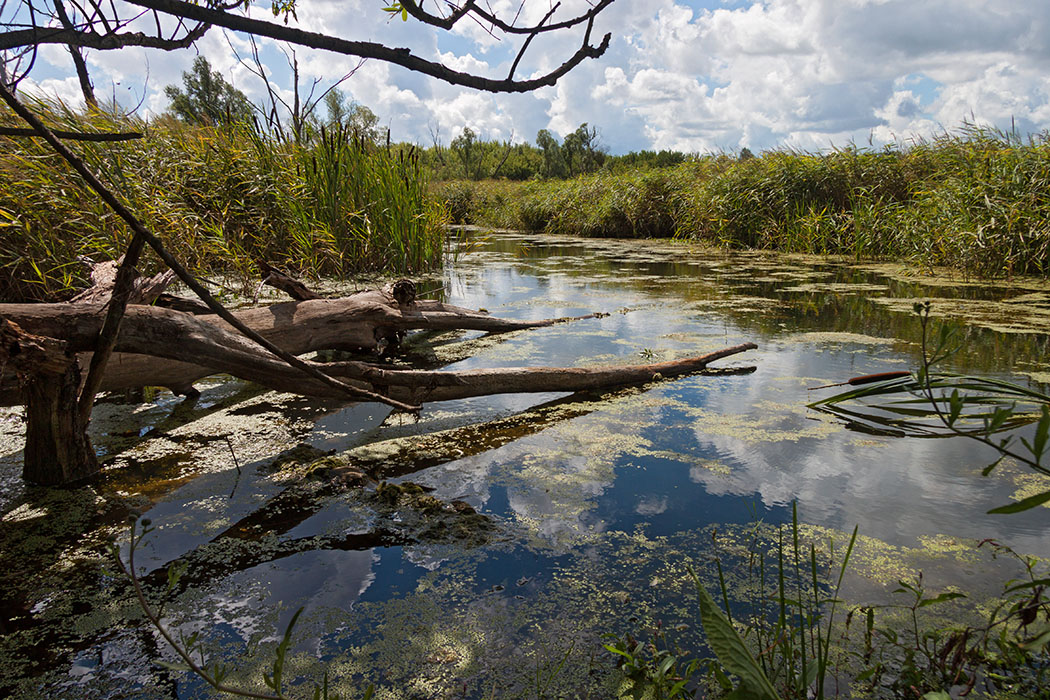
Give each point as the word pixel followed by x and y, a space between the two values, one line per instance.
pixel 706 75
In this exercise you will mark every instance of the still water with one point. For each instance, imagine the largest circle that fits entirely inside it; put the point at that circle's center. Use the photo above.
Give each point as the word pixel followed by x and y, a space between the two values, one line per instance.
pixel 595 505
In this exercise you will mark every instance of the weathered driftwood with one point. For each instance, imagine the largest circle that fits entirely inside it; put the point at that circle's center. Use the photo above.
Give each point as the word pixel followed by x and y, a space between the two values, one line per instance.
pixel 162 347
pixel 144 290
pixel 159 346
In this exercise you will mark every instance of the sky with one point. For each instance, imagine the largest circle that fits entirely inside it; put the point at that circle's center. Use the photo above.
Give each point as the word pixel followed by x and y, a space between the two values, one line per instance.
pixel 690 75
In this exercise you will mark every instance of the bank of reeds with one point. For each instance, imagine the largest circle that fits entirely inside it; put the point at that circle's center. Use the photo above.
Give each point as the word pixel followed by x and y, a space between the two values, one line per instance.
pixel 220 198
pixel 976 199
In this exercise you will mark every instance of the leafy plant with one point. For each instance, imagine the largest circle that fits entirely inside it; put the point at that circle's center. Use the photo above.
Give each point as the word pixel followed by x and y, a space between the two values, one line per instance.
pixel 654 668
pixel 929 403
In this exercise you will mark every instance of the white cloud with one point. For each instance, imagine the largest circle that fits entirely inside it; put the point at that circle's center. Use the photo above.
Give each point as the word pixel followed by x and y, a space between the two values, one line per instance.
pixel 706 75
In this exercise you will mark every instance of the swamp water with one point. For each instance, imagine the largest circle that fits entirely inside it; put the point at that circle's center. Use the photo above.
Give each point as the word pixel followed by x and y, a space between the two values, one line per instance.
pixel 594 507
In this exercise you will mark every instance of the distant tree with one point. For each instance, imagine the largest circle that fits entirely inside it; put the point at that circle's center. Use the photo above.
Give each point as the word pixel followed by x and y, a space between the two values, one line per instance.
pixel 467 149
pixel 206 97
pixel 746 154
pixel 335 103
pixel 364 121
pixel 353 115
pixel 553 162
pixel 581 151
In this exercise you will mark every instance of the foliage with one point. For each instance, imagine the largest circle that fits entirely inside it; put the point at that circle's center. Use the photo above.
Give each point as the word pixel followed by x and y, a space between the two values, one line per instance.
pixel 904 658
pixel 784 639
pixel 220 198
pixel 355 117
pixel 656 668
pixel 926 403
pixel 206 98
pixel 977 200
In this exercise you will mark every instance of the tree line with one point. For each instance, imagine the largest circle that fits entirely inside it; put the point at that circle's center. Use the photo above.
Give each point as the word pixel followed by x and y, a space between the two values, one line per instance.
pixel 206 98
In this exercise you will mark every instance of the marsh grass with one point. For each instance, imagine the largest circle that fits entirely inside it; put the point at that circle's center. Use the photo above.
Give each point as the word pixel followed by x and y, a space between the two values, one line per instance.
pixel 976 199
pixel 220 199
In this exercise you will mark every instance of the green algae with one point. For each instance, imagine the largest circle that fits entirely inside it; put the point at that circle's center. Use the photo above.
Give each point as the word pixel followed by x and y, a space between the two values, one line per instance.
pixel 443 633
pixel 837 288
pixel 839 338
pixel 999 316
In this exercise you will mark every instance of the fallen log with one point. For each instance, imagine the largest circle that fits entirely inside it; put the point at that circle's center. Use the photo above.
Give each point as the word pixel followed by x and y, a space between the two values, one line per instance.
pixel 158 346
pixel 164 347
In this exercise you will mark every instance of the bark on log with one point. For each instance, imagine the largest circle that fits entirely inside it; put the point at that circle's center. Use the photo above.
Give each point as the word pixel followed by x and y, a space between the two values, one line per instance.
pixel 58 450
pixel 174 349
pixel 170 348
pixel 144 290
pixel 286 283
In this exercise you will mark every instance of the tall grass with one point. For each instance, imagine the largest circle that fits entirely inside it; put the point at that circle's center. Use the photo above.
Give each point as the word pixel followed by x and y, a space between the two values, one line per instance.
pixel 976 199
pixel 220 198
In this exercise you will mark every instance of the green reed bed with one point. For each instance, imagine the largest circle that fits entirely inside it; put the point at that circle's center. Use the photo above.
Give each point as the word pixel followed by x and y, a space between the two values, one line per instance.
pixel 976 199
pixel 220 198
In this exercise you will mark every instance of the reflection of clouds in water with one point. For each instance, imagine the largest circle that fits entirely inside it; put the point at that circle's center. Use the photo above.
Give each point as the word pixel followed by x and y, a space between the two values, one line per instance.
pixel 314 580
pixel 651 505
pixel 894 488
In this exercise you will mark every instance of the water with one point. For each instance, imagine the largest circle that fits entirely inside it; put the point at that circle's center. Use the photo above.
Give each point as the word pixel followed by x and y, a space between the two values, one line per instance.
pixel 595 507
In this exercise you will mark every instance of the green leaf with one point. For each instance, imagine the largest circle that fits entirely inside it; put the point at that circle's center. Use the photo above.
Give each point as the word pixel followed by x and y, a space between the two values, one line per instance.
pixel 955 406
pixel 1022 505
pixel 172 666
pixel 1039 641
pixel 731 650
pixel 1028 584
pixel 988 470
pixel 942 598
pixel 937 695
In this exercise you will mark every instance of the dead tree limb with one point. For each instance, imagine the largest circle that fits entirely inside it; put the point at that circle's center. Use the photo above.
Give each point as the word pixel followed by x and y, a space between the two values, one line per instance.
pixel 202 345
pixel 73 135
pixel 143 235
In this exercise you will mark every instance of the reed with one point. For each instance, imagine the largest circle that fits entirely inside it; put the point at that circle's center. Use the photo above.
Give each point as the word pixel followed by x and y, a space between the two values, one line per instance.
pixel 975 199
pixel 220 198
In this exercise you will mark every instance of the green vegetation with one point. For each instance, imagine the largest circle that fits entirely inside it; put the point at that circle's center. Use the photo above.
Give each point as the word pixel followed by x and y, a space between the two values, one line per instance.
pixel 785 641
pixel 207 98
pixel 221 197
pixel 977 200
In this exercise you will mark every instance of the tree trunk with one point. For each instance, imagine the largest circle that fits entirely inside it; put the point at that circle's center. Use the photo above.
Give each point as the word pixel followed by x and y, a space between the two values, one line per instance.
pixel 58 450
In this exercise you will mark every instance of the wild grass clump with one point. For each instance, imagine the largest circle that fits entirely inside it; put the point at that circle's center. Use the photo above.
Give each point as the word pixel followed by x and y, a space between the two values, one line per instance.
pixel 977 199
pixel 220 198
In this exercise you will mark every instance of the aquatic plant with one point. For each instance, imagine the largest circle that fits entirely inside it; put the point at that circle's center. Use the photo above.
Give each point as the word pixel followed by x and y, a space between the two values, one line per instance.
pixel 787 642
pixel 929 403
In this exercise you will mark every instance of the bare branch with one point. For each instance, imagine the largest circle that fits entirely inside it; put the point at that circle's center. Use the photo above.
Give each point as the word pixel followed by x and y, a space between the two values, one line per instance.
pixel 55 35
pixel 399 56
pixel 508 27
